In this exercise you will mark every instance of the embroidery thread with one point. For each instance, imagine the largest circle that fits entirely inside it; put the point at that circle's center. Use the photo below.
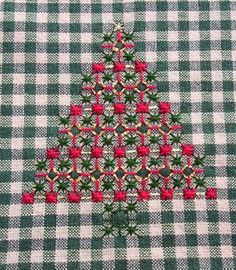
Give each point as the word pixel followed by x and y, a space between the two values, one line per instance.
pixel 119 141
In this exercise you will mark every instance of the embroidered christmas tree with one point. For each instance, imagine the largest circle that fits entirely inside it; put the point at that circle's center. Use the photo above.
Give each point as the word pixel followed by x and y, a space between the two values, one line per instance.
pixel 120 141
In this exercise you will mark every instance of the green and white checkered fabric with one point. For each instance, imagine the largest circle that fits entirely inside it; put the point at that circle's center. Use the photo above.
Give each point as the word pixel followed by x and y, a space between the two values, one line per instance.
pixel 45 46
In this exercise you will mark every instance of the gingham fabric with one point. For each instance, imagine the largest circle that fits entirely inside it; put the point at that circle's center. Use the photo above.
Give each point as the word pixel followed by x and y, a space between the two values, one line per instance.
pixel 45 47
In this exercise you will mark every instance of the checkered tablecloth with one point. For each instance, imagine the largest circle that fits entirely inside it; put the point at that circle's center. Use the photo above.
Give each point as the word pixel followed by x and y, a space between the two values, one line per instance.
pixel 45 45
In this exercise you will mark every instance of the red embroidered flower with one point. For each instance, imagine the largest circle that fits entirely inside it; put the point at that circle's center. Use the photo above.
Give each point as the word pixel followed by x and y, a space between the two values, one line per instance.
pixel 119 108
pixel 143 151
pixel 187 149
pixel 75 110
pixel 211 194
pixel 74 197
pixel 97 109
pixel 53 153
pixel 143 194
pixel 96 152
pixel 51 197
pixel 119 152
pixel 98 67
pixel 189 193
pixel 165 150
pixel 142 107
pixel 97 196
pixel 27 198
pixel 74 152
pixel 164 107
pixel 167 194
pixel 140 66
pixel 119 66
pixel 120 196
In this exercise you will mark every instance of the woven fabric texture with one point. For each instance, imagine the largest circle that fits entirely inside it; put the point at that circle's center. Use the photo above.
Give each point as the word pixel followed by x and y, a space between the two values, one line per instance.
pixel 45 46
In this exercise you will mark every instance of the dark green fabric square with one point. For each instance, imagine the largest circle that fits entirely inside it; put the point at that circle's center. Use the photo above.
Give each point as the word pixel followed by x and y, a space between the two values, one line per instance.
pixel 118 7
pixel 30 47
pixel 5 132
pixel 168 240
pixel 226 45
pixel 50 220
pixel 183 45
pixel 97 243
pixel 161 6
pixel 206 86
pixel 5 154
pixel 225 25
pixel 205 65
pixel 120 264
pixel 193 263
pixel 183 6
pixel 49 244
pixel 183 25
pixel 73 243
pixel 30 89
pixel 53 47
pixel 8 47
pixel 190 216
pixel 8 26
pixel 52 68
pixel 9 6
pixel 96 265
pixel 96 8
pixel 184 65
pixel 75 47
pixel 185 86
pixel 167 217
pixel 28 153
pixel 191 240
pixel 204 5
pixel 74 220
pixel 30 26
pixel 30 68
pixel 8 68
pixel 170 264
pixel 204 25
pixel 139 26
pixel 144 242
pixel 227 65
pixel 7 89
pixel 162 26
pixel 29 110
pixel 53 8
pixel 25 245
pixel 5 198
pixel 224 5
pixel 213 216
pixel 205 45
pixel 120 241
pixel 29 132
pixel 74 28
pixel 53 27
pixel 26 221
pixel 74 8
pixel 53 89
pixel 214 239
pixel 162 46
pixel 146 264
pixel 31 7
pixel 75 68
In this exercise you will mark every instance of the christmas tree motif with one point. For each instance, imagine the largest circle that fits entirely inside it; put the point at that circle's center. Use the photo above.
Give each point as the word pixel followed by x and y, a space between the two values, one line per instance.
pixel 119 144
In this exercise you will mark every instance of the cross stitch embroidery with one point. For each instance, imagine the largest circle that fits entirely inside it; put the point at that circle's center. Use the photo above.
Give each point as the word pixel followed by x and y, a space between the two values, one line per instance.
pixel 120 143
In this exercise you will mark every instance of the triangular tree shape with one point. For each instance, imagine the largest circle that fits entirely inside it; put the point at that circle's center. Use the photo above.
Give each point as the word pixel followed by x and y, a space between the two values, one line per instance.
pixel 119 141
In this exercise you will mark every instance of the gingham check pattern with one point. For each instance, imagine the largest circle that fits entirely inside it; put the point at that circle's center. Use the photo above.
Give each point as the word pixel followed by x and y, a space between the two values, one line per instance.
pixel 45 46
